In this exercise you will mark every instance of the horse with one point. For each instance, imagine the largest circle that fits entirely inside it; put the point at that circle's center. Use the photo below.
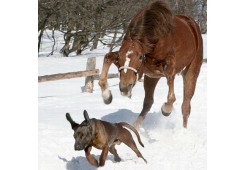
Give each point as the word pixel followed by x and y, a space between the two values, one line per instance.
pixel 157 43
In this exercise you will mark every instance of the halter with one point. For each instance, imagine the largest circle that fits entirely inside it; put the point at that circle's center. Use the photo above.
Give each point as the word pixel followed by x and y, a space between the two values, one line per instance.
pixel 127 67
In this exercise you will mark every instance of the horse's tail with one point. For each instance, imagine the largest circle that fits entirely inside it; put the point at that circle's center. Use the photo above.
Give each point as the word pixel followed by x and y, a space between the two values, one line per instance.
pixel 134 130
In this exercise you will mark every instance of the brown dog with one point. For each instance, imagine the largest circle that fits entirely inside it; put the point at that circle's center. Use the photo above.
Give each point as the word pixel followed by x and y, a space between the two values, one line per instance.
pixel 102 135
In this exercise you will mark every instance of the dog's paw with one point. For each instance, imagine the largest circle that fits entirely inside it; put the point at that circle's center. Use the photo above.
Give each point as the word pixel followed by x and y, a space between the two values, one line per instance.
pixel 117 159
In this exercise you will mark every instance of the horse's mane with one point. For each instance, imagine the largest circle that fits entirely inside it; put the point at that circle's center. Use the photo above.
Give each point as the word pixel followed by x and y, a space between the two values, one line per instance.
pixel 150 24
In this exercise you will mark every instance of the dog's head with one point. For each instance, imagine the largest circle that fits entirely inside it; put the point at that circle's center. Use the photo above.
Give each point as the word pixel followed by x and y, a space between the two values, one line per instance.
pixel 82 132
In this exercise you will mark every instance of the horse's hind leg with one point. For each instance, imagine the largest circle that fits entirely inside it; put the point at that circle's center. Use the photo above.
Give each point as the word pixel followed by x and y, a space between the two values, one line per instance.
pixel 189 75
pixel 149 87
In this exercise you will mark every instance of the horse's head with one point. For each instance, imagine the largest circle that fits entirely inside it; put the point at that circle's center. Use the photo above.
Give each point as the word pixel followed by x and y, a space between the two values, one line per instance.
pixel 130 61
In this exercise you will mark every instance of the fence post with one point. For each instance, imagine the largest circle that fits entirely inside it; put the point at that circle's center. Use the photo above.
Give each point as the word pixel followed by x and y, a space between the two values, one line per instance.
pixel 89 81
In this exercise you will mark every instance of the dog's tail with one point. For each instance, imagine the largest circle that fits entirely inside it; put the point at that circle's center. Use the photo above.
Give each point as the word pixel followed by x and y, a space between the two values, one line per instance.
pixel 134 130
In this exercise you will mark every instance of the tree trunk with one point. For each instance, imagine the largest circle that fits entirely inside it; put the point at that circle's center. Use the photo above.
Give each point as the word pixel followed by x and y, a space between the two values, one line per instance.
pixel 40 39
pixel 66 48
pixel 89 81
pixel 79 45
pixel 41 28
pixel 113 41
pixel 95 42
pixel 52 52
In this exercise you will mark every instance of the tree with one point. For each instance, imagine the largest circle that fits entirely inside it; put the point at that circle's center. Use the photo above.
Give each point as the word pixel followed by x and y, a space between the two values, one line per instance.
pixel 84 23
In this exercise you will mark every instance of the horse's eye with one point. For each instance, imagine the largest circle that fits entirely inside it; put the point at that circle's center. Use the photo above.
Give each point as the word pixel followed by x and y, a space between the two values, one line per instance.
pixel 117 59
pixel 141 57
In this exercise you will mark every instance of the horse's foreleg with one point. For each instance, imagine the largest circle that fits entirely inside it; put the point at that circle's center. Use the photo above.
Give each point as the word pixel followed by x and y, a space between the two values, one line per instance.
pixel 169 69
pixel 168 106
pixel 149 87
pixel 108 60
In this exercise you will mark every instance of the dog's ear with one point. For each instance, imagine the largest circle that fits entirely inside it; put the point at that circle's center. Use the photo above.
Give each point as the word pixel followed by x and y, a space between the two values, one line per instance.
pixel 86 117
pixel 74 125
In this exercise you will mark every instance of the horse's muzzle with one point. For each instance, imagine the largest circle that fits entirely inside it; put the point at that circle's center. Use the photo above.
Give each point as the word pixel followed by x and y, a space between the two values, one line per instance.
pixel 126 89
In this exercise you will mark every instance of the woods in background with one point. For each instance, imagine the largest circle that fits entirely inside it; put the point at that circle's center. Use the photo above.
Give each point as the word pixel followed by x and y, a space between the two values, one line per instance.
pixel 85 22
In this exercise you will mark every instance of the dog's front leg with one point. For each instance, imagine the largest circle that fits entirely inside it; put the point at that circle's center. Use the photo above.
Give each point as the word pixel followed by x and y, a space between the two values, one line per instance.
pixel 103 155
pixel 90 157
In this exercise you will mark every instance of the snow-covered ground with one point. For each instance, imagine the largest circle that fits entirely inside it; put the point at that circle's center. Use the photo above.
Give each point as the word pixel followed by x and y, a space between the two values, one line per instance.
pixel 168 145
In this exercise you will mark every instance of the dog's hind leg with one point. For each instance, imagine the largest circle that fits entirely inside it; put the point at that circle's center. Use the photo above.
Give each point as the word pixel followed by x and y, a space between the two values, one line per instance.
pixel 90 158
pixel 103 155
pixel 130 143
pixel 113 151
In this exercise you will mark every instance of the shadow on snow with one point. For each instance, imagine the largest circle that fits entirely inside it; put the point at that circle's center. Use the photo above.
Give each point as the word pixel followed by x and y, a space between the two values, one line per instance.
pixel 81 163
pixel 152 120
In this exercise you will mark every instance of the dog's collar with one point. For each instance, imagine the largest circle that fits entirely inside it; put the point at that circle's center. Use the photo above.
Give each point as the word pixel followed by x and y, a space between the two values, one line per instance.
pixel 90 130
pixel 90 127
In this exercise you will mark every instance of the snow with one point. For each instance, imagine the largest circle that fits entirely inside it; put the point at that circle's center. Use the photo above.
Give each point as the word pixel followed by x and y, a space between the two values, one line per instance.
pixel 168 145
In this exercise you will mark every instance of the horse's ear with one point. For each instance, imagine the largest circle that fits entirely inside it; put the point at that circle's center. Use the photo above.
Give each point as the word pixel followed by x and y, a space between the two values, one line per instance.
pixel 86 117
pixel 112 57
pixel 115 58
pixel 115 53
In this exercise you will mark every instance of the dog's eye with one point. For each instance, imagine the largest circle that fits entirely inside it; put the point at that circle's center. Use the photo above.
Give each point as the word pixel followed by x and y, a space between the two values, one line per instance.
pixel 80 135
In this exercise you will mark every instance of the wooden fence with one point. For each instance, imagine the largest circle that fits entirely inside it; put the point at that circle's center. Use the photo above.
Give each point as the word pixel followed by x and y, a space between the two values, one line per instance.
pixel 68 75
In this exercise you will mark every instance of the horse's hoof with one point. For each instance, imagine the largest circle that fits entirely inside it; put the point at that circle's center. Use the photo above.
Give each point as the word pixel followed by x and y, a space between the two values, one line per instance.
pixel 166 109
pixel 108 100
pixel 185 124
pixel 165 113
pixel 107 96
pixel 138 122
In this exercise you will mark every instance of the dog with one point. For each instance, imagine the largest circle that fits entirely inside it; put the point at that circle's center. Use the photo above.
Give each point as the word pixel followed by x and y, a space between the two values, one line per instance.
pixel 102 135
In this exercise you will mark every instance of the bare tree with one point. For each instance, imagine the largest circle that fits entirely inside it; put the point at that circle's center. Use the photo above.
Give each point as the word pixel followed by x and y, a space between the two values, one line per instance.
pixel 85 23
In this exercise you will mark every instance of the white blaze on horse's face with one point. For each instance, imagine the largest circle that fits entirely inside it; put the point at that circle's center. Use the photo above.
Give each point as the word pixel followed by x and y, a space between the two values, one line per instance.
pixel 129 52
pixel 126 64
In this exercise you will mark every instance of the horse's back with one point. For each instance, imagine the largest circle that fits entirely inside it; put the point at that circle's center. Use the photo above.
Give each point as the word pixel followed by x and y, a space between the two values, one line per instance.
pixel 186 41
pixel 193 26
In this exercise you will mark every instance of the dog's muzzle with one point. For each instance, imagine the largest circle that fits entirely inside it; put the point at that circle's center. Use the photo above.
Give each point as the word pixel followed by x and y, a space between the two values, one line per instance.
pixel 78 147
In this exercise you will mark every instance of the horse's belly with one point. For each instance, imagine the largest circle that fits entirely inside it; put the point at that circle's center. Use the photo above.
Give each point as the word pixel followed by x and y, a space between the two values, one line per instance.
pixel 154 73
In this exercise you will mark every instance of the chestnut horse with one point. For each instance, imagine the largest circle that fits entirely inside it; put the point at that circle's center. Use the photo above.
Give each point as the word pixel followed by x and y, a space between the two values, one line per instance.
pixel 157 44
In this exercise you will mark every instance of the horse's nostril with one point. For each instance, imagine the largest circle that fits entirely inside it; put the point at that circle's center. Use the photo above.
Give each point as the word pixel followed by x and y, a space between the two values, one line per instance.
pixel 130 86
pixel 125 87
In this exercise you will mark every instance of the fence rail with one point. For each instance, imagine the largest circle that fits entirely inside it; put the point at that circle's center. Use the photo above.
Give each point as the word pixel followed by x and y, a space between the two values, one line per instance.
pixel 68 75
